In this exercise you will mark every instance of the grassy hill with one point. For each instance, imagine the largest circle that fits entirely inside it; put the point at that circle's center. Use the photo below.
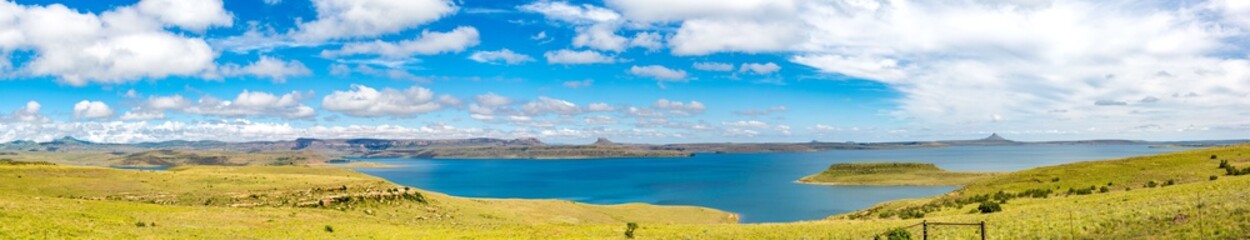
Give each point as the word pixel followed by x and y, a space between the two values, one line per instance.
pixel 42 201
pixel 54 201
pixel 891 174
pixel 1167 196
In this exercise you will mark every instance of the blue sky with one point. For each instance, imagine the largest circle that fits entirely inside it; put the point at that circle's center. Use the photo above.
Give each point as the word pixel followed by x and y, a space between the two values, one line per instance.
pixel 633 71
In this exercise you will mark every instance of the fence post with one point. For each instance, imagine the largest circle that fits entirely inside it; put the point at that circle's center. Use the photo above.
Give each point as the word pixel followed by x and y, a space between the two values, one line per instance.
pixel 925 232
pixel 982 230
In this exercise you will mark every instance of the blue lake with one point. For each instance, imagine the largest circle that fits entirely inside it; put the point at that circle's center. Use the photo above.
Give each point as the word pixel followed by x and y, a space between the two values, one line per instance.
pixel 759 187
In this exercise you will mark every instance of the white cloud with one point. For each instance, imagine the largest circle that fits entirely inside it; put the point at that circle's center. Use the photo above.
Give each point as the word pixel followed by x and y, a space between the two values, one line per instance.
pixel 142 115
pixel 600 36
pixel 92 110
pixel 666 11
pixel 1063 64
pixel 503 56
pixel 120 45
pixel 600 120
pixel 747 124
pixel 363 101
pixel 659 72
pixel 714 66
pixel 429 43
pixel 579 84
pixel 761 112
pixel 193 15
pixel 562 11
pixel 860 67
pixel 546 105
pixel 600 107
pixel 679 108
pixel 247 103
pixel 565 56
pixel 759 68
pixel 28 114
pixel 344 19
pixel 649 40
pixel 492 100
pixel 701 37
pixel 272 2
pixel 269 67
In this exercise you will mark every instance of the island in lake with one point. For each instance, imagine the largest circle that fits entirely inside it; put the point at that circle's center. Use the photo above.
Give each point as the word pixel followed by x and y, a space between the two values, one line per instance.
pixel 891 174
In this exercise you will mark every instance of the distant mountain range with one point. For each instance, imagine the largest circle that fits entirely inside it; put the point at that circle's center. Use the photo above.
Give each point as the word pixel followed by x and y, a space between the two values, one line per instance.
pixel 525 147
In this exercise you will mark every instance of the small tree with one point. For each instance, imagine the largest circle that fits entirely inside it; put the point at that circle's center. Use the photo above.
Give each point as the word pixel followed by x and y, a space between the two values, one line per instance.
pixel 1224 164
pixel 989 207
pixel 329 229
pixel 898 234
pixel 629 230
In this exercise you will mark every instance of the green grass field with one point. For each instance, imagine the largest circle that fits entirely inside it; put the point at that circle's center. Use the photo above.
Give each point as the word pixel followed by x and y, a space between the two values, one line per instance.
pixel 40 202
pixel 891 174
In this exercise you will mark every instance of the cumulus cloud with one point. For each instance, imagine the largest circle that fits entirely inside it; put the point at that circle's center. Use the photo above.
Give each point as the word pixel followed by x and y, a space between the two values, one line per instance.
pixel 193 15
pixel 246 104
pixel 546 105
pixel 569 57
pixel 579 84
pixel 651 41
pixel 563 11
pixel 123 44
pixel 269 67
pixel 363 101
pixel 759 68
pixel 680 108
pixel 492 100
pixel 92 110
pixel 344 19
pixel 714 66
pixel 428 43
pixel 659 73
pixel 252 103
pixel 596 27
pixel 28 114
pixel 503 56
pixel 761 112
pixel 600 107
pixel 600 120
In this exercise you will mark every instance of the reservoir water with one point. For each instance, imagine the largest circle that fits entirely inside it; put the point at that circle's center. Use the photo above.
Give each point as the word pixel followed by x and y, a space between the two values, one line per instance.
pixel 758 187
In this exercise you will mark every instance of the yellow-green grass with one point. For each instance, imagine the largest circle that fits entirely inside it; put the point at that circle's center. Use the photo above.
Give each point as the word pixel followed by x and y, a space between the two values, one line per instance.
pixel 1193 206
pixel 47 203
pixel 264 202
pixel 891 174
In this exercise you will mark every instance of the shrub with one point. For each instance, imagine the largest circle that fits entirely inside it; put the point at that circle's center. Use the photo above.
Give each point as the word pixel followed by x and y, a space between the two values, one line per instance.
pixel 1213 156
pixel 1083 191
pixel 1170 182
pixel 1214 177
pixel 989 207
pixel 1104 189
pixel 897 234
pixel 329 229
pixel 629 230
pixel 1224 164
pixel 1055 179
pixel 1035 193
pixel 1152 183
pixel 141 224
